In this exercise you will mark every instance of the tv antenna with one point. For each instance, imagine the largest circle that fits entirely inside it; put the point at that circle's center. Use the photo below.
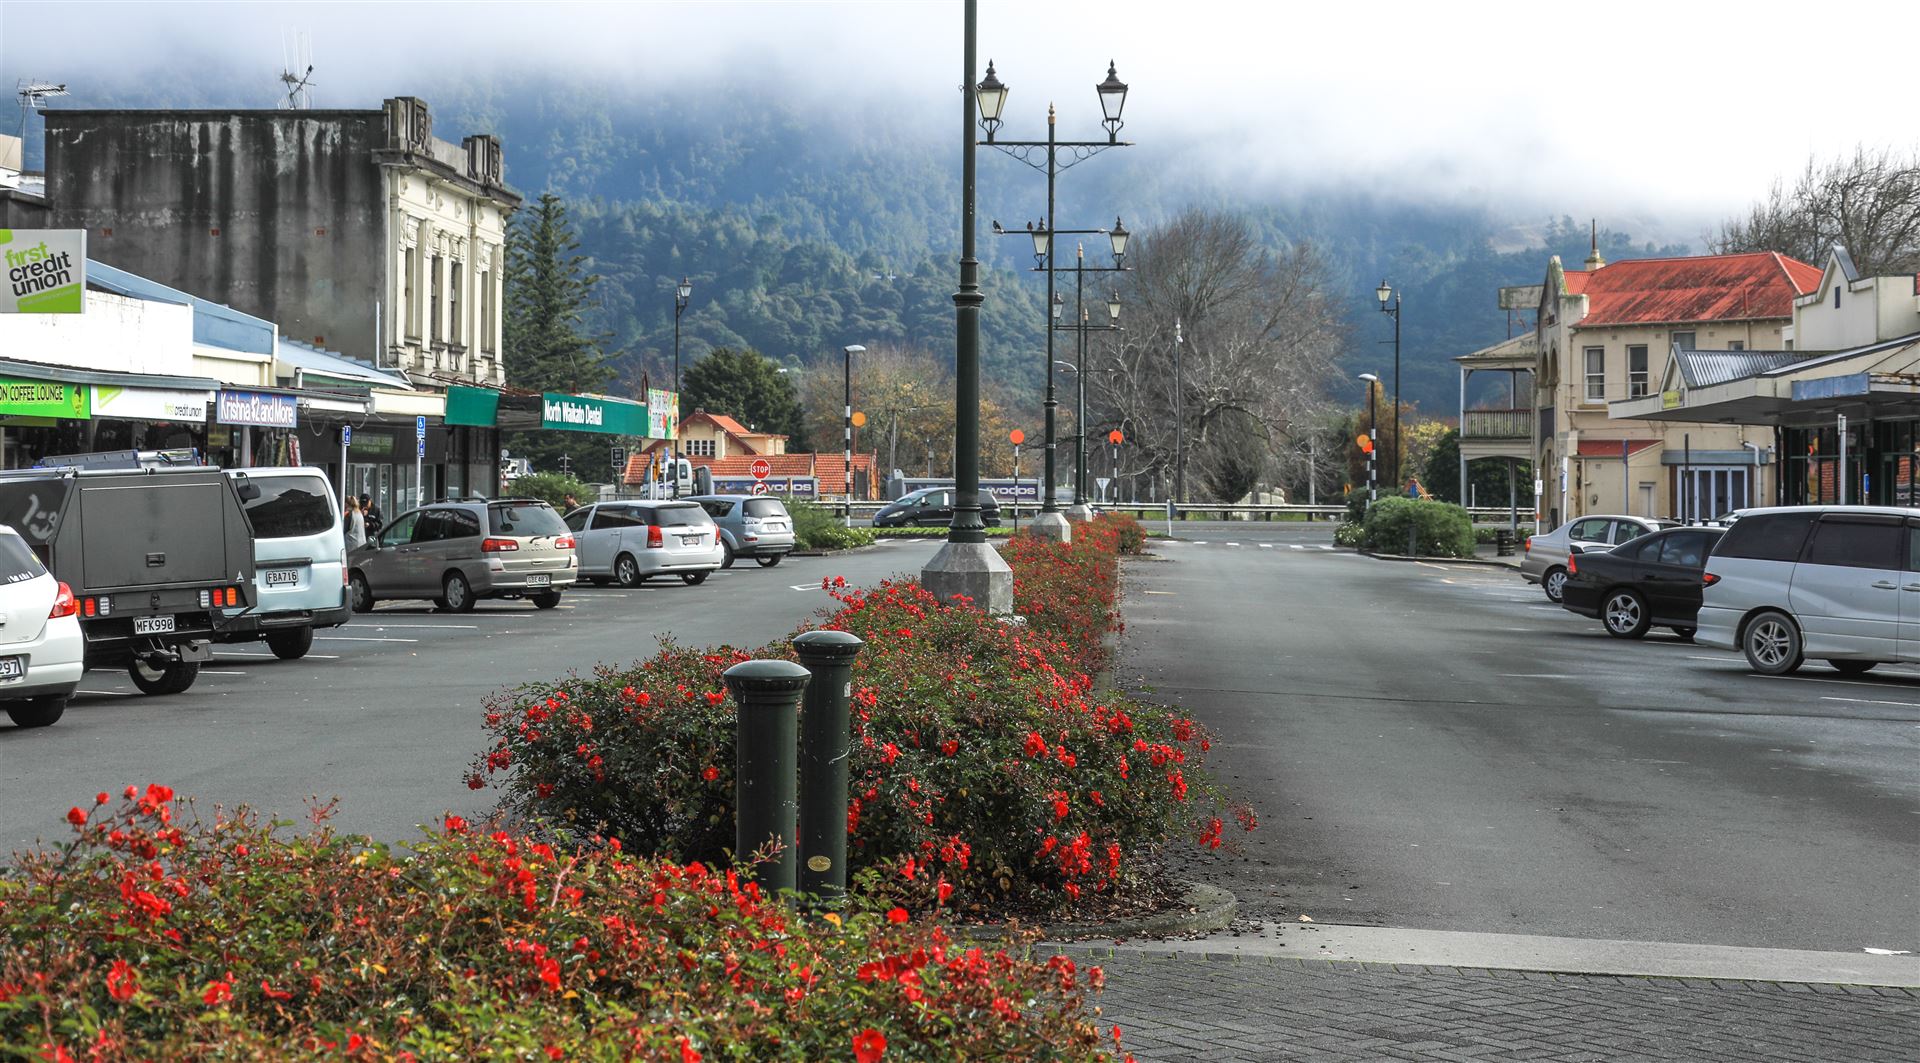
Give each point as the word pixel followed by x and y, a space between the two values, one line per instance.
pixel 33 93
pixel 296 71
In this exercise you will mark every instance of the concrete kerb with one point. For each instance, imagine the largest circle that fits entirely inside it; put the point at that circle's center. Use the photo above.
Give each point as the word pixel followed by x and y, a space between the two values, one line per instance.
pixel 834 553
pixel 1203 909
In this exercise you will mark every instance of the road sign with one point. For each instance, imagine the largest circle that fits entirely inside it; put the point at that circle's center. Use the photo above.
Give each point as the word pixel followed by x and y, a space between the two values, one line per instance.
pixel 419 448
pixel 619 457
pixel 420 427
pixel 760 487
pixel 1365 443
pixel 346 435
pixel 1103 481
pixel 761 468
pixel 1115 437
pixel 859 419
pixel 1017 436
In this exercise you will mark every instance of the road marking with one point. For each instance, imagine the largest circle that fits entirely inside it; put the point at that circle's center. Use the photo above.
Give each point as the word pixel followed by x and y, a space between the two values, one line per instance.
pixel 111 693
pixel 1538 675
pixel 1266 546
pixel 1870 701
pixel 1323 546
pixel 425 627
pixel 309 656
pixel 356 638
pixel 1233 544
pixel 211 671
pixel 1168 593
pixel 1295 546
pixel 1199 542
pixel 803 586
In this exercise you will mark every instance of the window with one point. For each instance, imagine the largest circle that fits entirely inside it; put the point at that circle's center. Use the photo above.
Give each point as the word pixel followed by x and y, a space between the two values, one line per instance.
pixel 1736 345
pixel 689 515
pixel 433 527
pixel 1591 530
pixel 577 520
pixel 613 517
pixel 1836 297
pixel 433 330
pixel 1767 537
pixel 701 448
pixel 717 508
pixel 1627 531
pixel 1687 549
pixel 485 287
pixel 462 524
pixel 1856 543
pixel 453 302
pixel 524 519
pixel 765 507
pixel 17 561
pixel 1637 371
pixel 1596 374
pixel 401 530
pixel 1683 340
pixel 288 507
pixel 409 310
pixel 1913 546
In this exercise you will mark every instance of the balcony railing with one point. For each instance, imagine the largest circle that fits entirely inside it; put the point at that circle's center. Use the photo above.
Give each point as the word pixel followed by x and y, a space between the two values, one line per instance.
pixel 1497 424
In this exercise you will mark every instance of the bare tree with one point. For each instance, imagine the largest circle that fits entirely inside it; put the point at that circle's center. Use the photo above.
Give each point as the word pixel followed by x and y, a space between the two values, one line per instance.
pixel 1258 336
pixel 1868 203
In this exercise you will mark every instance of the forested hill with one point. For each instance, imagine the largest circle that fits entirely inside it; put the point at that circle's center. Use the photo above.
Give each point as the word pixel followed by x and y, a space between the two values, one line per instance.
pixel 806 228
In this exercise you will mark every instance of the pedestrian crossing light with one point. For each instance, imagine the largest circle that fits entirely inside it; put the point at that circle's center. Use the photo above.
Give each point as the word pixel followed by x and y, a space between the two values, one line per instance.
pixel 859 419
pixel 1365 442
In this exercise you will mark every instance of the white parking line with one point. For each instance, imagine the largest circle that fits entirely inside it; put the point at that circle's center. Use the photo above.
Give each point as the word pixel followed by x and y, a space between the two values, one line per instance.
pixel 212 671
pixel 356 638
pixel 1233 544
pixel 1323 546
pixel 250 653
pixel 803 586
pixel 1870 701
pixel 1266 546
pixel 1295 546
pixel 424 627
pixel 109 693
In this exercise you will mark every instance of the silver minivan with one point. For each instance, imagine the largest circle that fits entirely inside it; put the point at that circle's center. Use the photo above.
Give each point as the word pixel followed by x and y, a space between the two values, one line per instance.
pixel 457 553
pixel 626 542
pixel 1835 583
pixel 300 561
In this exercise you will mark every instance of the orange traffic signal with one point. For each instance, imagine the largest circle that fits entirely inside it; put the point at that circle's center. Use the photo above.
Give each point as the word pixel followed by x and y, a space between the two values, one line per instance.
pixel 1365 443
pixel 1017 436
pixel 1115 437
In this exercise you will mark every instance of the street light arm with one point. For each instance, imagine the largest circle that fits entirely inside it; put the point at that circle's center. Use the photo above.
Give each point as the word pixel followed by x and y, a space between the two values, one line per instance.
pixel 1080 152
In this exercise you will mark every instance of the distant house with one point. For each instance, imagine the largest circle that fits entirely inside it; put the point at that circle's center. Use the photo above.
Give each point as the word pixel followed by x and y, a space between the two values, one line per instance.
pixel 1604 334
pixel 722 444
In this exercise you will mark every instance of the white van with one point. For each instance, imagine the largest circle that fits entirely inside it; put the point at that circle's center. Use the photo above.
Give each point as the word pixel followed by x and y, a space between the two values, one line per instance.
pixel 1836 583
pixel 299 559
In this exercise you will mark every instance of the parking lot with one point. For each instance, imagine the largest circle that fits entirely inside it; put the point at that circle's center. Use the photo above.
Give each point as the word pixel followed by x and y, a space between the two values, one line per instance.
pixel 385 711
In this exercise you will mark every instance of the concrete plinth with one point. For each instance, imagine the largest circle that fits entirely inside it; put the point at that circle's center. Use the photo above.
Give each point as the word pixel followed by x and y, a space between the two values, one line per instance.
pixel 974 569
pixel 1079 511
pixel 1052 526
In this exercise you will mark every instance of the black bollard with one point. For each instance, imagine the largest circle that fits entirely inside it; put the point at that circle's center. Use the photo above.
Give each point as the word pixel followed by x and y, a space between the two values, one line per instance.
pixel 826 737
pixel 767 694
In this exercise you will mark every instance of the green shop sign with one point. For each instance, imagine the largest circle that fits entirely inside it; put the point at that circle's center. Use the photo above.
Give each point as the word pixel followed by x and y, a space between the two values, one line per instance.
pixel 479 407
pixel 43 398
pixel 593 413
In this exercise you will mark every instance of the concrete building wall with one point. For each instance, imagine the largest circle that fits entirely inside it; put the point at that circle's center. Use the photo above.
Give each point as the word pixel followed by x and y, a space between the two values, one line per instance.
pixel 278 214
pixel 114 333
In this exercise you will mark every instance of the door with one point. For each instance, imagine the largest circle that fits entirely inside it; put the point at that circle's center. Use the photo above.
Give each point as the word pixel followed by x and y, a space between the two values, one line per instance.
pixel 1673 579
pixel 425 555
pixel 1846 589
pixel 1590 533
pixel 1910 597
pixel 601 544
pixel 938 510
pixel 386 568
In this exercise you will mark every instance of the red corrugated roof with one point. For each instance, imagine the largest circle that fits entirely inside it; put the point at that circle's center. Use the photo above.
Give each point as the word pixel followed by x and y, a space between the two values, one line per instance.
pixel 829 468
pixel 1610 448
pixel 1576 280
pixel 1703 288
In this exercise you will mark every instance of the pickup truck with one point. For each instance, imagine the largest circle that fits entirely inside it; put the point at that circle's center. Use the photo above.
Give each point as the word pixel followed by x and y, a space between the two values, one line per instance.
pixel 152 555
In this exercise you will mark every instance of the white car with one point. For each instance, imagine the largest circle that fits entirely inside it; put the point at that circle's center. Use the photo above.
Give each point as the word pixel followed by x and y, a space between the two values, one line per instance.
pixel 626 542
pixel 42 652
pixel 1545 559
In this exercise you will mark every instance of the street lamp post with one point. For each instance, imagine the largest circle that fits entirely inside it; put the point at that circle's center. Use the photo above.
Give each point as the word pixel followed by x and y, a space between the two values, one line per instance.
pixel 1080 509
pixel 846 451
pixel 1179 423
pixel 1045 156
pixel 1373 432
pixel 1385 293
pixel 681 293
pixel 965 566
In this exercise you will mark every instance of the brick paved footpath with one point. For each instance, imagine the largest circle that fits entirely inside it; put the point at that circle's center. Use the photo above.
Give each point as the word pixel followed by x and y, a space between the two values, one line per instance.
pixel 1222 1008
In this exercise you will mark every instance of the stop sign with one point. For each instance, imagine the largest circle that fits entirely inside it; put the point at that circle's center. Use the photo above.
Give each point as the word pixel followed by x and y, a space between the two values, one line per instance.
pixel 761 467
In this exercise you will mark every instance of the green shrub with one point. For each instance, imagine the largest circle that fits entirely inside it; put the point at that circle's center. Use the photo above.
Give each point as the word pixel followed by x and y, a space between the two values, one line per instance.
pixel 1439 529
pixel 553 489
pixel 815 527
pixel 155 936
pixel 1349 534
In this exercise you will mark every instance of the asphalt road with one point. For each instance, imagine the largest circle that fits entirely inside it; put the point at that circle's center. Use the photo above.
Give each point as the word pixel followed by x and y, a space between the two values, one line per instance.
pixel 385 712
pixel 1438 747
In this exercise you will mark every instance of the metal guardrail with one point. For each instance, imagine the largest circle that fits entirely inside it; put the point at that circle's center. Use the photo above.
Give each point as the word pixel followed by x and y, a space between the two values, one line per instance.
pixel 1196 511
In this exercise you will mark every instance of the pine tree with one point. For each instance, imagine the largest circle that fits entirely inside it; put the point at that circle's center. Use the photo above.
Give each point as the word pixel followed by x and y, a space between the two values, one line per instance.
pixel 546 348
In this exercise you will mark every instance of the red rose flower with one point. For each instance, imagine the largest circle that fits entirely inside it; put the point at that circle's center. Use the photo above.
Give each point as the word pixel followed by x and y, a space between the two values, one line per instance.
pixel 869 1045
pixel 122 981
pixel 76 817
pixel 711 773
pixel 896 915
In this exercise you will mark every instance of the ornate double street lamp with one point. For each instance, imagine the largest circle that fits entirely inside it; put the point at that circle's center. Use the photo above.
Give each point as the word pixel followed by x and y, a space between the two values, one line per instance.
pixel 1390 304
pixel 965 565
pixel 1080 509
pixel 1052 156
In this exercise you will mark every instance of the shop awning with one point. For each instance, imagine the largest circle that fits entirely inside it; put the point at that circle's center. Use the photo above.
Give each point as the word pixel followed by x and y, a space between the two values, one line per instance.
pixel 36 389
pixel 310 366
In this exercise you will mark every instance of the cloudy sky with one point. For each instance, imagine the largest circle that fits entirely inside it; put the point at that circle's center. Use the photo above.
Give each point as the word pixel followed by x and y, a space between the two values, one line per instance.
pixel 1678 110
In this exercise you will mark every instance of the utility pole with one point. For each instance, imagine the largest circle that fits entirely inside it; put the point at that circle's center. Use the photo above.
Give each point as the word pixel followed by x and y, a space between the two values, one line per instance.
pixel 1179 422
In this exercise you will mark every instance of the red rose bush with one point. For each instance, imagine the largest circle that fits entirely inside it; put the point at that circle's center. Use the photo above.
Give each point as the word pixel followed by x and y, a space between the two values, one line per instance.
pixel 987 773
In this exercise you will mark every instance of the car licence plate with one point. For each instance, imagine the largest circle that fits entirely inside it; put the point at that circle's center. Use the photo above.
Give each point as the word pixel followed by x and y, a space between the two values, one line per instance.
pixel 542 580
pixel 282 577
pixel 691 540
pixel 152 625
pixel 12 667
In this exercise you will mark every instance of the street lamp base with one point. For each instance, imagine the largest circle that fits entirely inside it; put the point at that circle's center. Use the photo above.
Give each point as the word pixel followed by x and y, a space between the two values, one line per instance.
pixel 975 570
pixel 1079 511
pixel 1052 526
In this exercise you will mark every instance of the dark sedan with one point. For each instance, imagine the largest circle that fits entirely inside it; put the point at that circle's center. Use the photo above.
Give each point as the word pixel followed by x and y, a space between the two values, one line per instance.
pixel 1654 579
pixel 932 507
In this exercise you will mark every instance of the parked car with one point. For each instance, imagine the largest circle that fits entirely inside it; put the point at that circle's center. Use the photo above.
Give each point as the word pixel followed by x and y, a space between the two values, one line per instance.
pixel 628 542
pixel 932 507
pixel 755 526
pixel 1545 560
pixel 42 652
pixel 457 553
pixel 152 552
pixel 1654 579
pixel 1835 583
pixel 300 558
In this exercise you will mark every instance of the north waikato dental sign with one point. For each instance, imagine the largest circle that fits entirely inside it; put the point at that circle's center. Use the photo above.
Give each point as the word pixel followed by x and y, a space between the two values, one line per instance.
pixel 593 413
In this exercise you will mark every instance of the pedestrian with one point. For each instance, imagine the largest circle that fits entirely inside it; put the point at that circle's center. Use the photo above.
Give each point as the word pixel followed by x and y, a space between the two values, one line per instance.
pixel 569 503
pixel 353 523
pixel 370 513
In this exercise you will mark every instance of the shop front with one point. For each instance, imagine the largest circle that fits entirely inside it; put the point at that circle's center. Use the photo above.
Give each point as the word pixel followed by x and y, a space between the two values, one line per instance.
pixel 50 410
